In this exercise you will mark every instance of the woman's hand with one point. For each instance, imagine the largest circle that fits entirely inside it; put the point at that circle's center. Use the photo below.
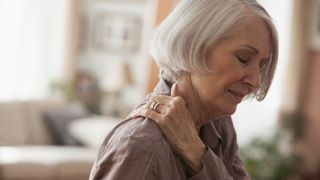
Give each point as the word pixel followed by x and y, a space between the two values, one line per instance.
pixel 176 123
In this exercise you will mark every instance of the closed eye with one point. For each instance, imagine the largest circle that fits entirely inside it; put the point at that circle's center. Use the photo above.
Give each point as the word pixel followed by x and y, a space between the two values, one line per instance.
pixel 243 61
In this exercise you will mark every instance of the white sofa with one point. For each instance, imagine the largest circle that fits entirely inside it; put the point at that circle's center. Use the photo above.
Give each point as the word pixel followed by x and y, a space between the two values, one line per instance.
pixel 27 150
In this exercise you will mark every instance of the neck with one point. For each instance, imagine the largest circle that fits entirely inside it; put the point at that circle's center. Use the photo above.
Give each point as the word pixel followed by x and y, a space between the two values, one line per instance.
pixel 193 103
pixel 200 113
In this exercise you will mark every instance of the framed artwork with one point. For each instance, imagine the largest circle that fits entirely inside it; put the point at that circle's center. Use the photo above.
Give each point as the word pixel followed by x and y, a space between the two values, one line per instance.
pixel 130 1
pixel 83 32
pixel 115 32
pixel 315 35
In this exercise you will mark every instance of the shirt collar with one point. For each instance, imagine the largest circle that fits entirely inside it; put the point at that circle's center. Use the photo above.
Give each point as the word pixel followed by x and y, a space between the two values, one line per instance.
pixel 162 88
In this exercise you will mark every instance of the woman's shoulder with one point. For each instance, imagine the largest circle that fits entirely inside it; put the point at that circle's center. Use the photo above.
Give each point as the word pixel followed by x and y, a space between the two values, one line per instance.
pixel 141 129
pixel 138 134
pixel 133 142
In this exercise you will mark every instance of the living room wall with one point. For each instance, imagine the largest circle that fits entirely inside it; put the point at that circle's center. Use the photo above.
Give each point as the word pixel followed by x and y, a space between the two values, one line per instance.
pixel 112 46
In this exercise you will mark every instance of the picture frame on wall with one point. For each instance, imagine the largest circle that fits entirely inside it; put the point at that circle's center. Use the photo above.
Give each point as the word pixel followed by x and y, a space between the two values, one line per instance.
pixel 116 33
pixel 83 32
pixel 315 26
pixel 126 1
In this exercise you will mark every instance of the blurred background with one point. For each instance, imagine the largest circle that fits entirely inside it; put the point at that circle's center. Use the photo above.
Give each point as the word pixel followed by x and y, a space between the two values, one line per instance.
pixel 70 70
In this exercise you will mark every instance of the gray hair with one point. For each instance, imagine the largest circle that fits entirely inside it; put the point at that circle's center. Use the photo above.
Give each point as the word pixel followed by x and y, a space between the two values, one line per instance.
pixel 182 40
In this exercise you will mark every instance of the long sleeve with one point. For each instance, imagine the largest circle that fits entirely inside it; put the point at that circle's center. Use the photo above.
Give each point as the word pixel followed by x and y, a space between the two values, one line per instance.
pixel 125 160
pixel 137 150
pixel 222 159
pixel 125 170
pixel 213 168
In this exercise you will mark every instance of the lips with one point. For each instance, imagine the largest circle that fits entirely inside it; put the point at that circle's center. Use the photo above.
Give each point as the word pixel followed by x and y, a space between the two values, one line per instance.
pixel 236 96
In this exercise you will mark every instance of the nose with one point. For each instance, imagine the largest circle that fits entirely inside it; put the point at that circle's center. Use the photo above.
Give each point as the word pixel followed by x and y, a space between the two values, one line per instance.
pixel 253 78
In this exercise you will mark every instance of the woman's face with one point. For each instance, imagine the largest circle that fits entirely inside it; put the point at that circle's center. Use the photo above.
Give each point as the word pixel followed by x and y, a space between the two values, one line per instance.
pixel 237 61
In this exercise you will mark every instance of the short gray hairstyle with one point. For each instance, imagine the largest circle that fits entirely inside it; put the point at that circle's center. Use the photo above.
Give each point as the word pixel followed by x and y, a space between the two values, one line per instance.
pixel 182 40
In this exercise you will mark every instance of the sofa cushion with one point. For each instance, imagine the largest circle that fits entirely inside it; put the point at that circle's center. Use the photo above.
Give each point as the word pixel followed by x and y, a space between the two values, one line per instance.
pixel 43 162
pixel 58 120
pixel 13 124
pixel 38 131
pixel 92 130
pixel 26 171
pixel 74 170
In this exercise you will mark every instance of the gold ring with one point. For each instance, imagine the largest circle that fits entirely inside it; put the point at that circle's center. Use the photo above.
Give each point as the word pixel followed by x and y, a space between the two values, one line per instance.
pixel 154 106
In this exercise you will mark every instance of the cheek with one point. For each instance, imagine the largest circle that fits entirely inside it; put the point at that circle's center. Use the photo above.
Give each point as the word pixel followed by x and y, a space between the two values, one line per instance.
pixel 208 86
pixel 232 74
pixel 232 78
pixel 216 93
pixel 211 86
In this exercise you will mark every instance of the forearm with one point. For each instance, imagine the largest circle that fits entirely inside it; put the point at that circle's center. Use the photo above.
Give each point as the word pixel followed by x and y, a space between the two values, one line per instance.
pixel 212 168
pixel 193 156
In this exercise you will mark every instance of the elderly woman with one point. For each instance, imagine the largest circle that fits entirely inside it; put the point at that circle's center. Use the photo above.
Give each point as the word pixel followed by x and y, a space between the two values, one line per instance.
pixel 212 54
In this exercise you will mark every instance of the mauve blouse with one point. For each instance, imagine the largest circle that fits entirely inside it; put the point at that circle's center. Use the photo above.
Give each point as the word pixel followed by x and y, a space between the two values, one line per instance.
pixel 136 149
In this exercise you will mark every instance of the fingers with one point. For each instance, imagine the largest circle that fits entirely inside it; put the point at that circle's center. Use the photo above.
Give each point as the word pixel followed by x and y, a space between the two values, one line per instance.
pixel 162 99
pixel 175 105
pixel 160 108
pixel 161 104
pixel 149 114
pixel 162 118
pixel 169 101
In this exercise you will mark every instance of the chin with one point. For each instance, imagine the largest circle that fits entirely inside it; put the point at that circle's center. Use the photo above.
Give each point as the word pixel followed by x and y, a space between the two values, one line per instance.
pixel 230 110
pixel 226 111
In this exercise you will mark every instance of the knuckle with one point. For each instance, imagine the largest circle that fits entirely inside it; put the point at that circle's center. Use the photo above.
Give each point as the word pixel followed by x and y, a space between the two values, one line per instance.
pixel 145 112
pixel 174 109
pixel 179 100
pixel 156 98
pixel 153 98
pixel 168 116
pixel 163 122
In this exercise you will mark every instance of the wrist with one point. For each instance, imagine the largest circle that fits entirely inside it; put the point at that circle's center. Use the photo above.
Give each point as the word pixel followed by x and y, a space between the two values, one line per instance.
pixel 193 157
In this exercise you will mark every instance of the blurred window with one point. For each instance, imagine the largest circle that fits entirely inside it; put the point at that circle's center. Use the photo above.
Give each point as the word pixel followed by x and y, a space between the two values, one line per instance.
pixel 32 46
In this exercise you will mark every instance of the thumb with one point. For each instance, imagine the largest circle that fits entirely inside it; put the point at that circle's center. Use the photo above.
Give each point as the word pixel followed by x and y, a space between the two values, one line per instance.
pixel 174 90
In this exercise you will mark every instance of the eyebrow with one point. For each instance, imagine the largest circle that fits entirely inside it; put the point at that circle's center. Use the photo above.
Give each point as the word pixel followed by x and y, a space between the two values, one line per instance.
pixel 251 47
pixel 256 51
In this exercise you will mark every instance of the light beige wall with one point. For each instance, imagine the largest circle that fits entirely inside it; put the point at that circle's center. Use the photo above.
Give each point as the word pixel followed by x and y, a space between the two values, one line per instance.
pixel 72 40
pixel 310 145
pixel 302 92
pixel 163 8
pixel 295 71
